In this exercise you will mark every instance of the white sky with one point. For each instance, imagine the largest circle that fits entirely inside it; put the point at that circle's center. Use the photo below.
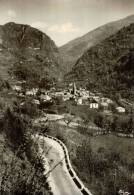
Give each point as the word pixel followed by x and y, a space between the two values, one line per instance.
pixel 64 20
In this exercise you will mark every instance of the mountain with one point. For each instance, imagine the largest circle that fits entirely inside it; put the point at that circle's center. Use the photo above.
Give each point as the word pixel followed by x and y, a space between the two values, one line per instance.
pixel 24 50
pixel 109 66
pixel 71 51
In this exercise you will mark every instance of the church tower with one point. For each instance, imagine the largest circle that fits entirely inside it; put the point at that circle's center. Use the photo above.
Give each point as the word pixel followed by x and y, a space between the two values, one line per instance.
pixel 74 89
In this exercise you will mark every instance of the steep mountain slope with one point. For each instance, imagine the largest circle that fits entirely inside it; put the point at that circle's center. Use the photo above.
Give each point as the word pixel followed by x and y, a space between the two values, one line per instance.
pixel 71 51
pixel 23 45
pixel 109 66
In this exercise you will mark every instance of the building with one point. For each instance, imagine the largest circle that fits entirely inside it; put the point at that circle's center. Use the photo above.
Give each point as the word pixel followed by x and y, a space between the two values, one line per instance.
pixel 83 93
pixel 122 192
pixel 74 89
pixel 59 93
pixel 37 102
pixel 17 88
pixel 66 97
pixel 120 109
pixel 106 100
pixel 96 98
pixel 93 104
pixel 104 105
pixel 79 101
pixel 45 98
pixel 31 92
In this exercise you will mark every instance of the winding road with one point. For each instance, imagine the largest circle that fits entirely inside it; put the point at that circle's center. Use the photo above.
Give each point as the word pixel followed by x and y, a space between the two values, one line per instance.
pixel 62 180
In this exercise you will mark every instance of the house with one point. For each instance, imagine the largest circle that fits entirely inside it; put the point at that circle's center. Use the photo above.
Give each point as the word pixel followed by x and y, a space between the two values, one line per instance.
pixel 96 98
pixel 93 104
pixel 17 88
pixel 59 93
pixel 120 109
pixel 32 92
pixel 122 192
pixel 83 92
pixel 104 105
pixel 66 97
pixel 45 98
pixel 82 100
pixel 37 102
pixel 36 48
pixel 106 100
pixel 91 94
pixel 79 101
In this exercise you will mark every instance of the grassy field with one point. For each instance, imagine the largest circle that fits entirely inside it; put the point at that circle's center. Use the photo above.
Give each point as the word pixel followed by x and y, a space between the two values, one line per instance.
pixel 124 146
pixel 101 181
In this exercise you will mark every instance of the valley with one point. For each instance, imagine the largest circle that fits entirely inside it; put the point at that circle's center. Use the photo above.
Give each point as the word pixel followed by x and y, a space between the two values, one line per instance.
pixel 81 94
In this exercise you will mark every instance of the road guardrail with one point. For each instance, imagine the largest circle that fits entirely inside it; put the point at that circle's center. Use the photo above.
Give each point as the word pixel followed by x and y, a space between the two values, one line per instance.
pixel 70 169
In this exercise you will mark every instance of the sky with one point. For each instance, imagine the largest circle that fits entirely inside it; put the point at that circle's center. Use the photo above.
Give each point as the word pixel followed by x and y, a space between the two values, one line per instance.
pixel 64 20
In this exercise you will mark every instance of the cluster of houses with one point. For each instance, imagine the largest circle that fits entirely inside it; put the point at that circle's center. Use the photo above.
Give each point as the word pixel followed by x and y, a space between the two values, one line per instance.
pixel 80 96
pixel 122 192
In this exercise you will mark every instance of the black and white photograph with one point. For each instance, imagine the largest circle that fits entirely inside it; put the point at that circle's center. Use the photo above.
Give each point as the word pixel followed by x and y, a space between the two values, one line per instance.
pixel 66 97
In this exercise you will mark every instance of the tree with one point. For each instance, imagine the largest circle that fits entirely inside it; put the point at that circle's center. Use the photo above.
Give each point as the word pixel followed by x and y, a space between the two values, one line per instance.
pixel 117 97
pixel 115 124
pixel 100 120
pixel 84 154
pixel 68 119
pixel 15 128
pixel 131 123
pixel 45 83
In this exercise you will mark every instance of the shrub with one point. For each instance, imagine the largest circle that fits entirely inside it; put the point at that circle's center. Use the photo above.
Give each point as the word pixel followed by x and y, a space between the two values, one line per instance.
pixel 14 128
pixel 30 109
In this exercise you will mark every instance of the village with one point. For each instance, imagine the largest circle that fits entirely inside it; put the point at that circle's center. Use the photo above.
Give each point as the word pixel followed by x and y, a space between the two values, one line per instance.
pixel 80 96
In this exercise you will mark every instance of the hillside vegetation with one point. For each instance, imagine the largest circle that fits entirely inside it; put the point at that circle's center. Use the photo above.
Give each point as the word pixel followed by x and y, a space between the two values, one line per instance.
pixel 21 169
pixel 74 49
pixel 109 66
pixel 24 46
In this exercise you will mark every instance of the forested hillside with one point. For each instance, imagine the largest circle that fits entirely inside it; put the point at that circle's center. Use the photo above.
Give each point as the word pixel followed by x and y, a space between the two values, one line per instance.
pixel 74 49
pixel 27 53
pixel 109 66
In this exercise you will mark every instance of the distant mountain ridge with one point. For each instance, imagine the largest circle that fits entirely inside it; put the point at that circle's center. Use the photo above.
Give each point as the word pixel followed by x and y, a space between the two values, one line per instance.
pixel 24 44
pixel 73 50
pixel 19 35
pixel 109 66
